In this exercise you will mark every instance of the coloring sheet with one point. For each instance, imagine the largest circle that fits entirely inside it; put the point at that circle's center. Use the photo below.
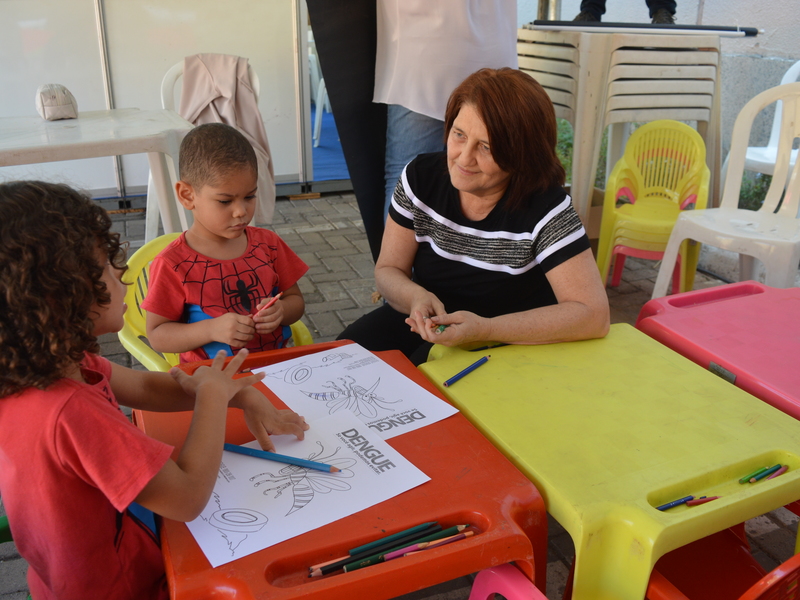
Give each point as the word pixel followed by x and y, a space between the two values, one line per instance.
pixel 352 378
pixel 257 503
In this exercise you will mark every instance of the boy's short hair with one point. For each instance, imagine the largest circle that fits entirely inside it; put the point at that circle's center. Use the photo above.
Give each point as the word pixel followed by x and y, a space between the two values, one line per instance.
pixel 50 277
pixel 211 150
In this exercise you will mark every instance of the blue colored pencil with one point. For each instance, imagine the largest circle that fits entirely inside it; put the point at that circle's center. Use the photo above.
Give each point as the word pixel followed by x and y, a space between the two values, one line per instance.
pixel 467 371
pixel 675 503
pixel 281 458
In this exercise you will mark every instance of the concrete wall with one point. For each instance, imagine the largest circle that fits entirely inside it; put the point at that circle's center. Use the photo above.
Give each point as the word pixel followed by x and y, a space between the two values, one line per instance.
pixel 750 64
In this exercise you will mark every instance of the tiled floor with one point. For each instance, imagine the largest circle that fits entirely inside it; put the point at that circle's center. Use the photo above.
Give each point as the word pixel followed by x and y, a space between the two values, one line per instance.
pixel 328 234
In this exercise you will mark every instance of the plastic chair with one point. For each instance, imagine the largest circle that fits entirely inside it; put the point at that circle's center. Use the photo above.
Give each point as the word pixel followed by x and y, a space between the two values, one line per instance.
pixel 506 580
pixel 770 234
pixel 5 531
pixel 133 334
pixel 661 173
pixel 171 77
pixel 719 566
pixel 318 90
pixel 728 579
pixel 762 159
pixel 5 534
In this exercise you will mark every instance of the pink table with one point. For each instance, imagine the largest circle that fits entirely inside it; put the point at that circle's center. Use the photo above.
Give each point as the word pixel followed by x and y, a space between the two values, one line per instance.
pixel 745 332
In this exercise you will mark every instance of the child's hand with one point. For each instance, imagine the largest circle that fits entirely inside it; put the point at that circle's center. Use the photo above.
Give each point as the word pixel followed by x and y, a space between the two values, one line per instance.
pixel 233 329
pixel 217 381
pixel 269 319
pixel 263 418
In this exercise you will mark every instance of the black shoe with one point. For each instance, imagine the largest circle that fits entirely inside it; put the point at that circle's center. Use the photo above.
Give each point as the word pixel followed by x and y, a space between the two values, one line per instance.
pixel 585 17
pixel 663 17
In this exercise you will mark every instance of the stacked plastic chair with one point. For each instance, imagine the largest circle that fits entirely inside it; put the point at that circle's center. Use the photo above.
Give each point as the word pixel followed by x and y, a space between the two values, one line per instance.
pixel 662 172
pixel 601 79
pixel 771 234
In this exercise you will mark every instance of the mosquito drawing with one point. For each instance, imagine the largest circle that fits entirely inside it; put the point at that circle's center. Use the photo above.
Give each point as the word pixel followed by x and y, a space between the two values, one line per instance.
pixel 298 374
pixel 305 483
pixel 352 396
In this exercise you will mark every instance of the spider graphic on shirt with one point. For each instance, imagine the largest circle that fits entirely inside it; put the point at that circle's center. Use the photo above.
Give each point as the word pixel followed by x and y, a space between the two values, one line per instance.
pixel 238 286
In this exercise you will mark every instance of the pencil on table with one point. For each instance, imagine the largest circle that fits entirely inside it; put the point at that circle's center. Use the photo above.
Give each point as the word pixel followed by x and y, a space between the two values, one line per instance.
pixel 281 458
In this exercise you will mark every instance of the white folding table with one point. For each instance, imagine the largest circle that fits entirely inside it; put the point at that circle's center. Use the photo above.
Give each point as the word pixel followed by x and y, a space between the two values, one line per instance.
pixel 31 140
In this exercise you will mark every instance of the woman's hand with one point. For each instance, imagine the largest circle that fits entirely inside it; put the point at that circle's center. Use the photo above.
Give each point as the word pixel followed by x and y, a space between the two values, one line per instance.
pixel 424 305
pixel 452 329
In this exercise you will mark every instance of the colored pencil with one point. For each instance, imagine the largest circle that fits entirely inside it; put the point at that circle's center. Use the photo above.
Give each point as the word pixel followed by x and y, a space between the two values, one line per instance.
pixel 779 472
pixel 765 473
pixel 674 503
pixel 380 557
pixel 382 549
pixel 747 477
pixel 390 538
pixel 282 458
pixel 449 540
pixel 698 501
pixel 467 371
pixel 426 545
pixel 272 301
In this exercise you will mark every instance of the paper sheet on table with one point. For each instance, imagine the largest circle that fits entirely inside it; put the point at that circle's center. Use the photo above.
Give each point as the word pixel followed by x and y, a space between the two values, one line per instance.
pixel 353 378
pixel 257 503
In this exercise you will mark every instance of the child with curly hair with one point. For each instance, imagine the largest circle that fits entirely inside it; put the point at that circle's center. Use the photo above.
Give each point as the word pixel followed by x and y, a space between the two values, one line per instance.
pixel 71 464
pixel 213 287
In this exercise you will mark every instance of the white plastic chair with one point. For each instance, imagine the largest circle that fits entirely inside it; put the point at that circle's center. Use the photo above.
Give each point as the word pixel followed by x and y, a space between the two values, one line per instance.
pixel 171 77
pixel 318 90
pixel 761 159
pixel 770 234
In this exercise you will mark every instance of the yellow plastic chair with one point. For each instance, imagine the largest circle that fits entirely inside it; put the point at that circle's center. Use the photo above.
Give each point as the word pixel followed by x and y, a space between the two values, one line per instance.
pixel 661 173
pixel 133 335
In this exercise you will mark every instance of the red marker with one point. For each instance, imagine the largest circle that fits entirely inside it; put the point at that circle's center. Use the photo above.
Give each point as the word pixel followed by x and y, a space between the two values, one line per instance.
pixel 270 303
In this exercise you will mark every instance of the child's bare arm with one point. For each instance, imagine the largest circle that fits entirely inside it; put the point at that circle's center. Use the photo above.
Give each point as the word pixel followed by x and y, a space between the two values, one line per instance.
pixel 160 392
pixel 165 335
pixel 181 489
pixel 285 311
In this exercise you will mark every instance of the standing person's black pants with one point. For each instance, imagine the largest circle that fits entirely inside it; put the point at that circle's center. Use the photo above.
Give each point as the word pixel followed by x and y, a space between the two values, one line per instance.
pixel 598 7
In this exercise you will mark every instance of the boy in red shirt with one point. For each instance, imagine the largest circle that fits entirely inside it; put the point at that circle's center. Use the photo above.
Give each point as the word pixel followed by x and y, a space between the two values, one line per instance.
pixel 211 288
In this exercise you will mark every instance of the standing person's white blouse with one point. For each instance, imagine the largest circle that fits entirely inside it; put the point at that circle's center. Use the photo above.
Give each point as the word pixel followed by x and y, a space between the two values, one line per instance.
pixel 427 47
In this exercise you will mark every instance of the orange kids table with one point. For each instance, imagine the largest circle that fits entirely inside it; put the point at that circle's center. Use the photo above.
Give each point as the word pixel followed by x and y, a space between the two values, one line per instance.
pixel 471 482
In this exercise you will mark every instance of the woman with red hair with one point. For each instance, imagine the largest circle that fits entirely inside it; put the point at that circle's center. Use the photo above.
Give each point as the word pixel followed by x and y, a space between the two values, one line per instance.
pixel 482 243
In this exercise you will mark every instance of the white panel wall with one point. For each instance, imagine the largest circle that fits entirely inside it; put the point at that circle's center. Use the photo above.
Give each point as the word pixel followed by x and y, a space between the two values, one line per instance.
pixel 147 38
pixel 52 41
pixel 56 41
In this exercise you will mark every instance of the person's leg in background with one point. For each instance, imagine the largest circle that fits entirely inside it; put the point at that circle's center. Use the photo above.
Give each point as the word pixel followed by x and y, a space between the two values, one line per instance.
pixel 591 11
pixel 408 134
pixel 345 33
pixel 662 12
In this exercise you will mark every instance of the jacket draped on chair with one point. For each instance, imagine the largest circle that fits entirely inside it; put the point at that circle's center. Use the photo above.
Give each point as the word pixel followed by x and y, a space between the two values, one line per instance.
pixel 217 89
